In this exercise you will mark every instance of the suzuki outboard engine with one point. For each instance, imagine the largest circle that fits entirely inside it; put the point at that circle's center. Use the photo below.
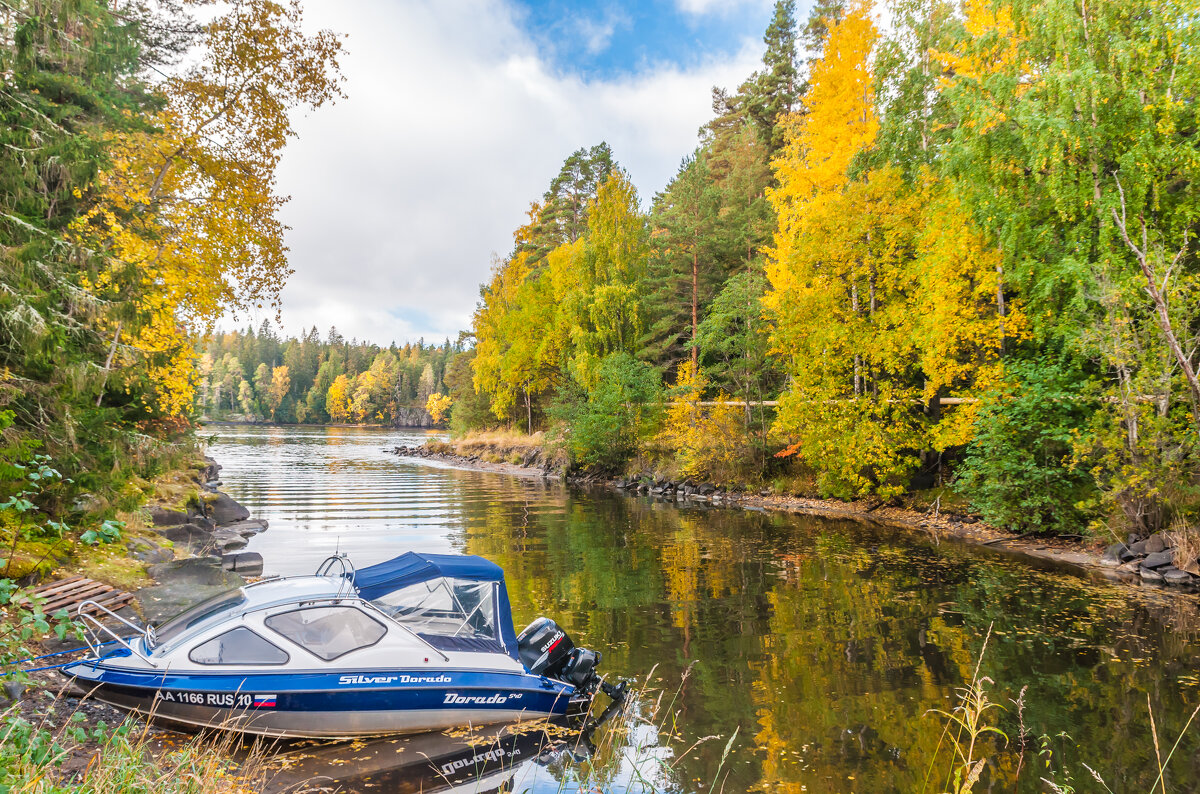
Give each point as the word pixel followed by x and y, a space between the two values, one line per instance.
pixel 545 649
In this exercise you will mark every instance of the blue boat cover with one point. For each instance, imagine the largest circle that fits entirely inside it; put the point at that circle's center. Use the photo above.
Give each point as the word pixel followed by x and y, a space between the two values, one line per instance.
pixel 412 567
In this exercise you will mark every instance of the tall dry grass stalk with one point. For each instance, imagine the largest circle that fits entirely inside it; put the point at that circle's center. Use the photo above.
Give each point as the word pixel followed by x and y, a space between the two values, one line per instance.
pixel 965 727
pixel 57 754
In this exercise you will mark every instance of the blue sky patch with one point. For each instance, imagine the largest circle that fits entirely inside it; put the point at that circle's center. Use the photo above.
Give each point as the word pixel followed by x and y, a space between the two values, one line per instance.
pixel 599 39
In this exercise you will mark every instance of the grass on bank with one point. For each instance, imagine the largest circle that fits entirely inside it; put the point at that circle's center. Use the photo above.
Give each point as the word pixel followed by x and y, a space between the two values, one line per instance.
pixel 38 758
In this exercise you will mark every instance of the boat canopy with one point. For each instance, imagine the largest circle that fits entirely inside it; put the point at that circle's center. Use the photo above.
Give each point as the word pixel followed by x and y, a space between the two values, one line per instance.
pixel 453 601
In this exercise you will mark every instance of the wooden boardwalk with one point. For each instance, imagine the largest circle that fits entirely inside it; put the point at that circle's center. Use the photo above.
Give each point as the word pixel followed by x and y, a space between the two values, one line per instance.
pixel 67 593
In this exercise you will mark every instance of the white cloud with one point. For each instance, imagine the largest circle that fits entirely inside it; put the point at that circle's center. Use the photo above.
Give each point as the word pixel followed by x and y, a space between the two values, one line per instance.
pixel 401 193
pixel 598 33
pixel 722 7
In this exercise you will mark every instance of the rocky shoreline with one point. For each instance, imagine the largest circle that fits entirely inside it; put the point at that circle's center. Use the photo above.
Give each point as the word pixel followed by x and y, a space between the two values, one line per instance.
pixel 212 529
pixel 1148 561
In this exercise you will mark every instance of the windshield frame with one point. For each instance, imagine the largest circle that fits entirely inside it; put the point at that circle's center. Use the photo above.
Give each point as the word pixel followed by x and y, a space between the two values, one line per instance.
pixel 181 627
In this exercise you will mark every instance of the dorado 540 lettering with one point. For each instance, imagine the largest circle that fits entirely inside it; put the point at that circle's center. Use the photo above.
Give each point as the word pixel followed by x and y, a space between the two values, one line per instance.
pixel 477 700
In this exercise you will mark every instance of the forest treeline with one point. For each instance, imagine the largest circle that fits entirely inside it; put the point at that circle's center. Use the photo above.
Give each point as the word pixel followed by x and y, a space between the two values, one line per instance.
pixel 137 206
pixel 960 250
pixel 258 376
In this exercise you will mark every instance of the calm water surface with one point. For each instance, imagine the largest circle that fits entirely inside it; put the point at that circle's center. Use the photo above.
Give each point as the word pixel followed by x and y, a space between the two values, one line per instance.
pixel 825 645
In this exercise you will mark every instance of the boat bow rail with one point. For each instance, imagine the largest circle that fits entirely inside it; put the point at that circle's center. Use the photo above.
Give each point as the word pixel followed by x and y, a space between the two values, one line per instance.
pixel 93 627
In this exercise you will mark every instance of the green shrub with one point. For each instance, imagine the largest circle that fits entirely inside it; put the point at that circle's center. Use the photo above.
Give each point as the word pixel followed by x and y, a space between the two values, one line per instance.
pixel 1019 472
pixel 601 428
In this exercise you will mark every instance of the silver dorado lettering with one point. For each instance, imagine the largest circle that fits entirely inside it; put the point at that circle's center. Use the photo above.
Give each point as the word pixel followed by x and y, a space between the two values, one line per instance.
pixel 424 679
pixel 367 679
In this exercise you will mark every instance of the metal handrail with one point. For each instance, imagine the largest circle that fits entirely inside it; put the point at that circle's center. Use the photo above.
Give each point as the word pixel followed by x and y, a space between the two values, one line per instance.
pixel 348 572
pixel 90 634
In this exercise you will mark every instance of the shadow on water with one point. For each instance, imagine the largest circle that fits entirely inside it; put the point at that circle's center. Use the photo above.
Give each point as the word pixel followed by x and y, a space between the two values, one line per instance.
pixel 824 644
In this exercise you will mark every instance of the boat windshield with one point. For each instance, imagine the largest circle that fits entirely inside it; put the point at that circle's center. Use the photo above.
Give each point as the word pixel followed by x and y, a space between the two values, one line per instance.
pixel 211 609
pixel 448 613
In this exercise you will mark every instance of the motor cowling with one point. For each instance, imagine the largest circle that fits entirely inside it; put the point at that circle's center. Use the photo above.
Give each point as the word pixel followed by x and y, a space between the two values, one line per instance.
pixel 544 648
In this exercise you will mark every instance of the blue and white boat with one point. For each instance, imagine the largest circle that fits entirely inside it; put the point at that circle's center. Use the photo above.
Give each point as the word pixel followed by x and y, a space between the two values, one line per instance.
pixel 418 643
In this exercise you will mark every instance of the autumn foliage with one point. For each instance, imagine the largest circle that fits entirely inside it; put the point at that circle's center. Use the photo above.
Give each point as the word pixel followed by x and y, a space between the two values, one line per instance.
pixel 955 252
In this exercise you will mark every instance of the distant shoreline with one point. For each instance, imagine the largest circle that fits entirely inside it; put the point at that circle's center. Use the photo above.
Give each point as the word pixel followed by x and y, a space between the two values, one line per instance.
pixel 236 422
pixel 1070 556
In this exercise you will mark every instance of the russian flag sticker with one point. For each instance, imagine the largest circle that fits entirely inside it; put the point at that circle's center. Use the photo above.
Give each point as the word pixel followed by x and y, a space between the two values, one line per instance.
pixel 264 701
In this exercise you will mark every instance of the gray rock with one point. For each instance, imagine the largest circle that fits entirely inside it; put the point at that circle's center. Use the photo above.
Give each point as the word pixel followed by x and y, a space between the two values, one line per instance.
pixel 244 563
pixel 1149 575
pixel 1158 559
pixel 1138 549
pixel 1115 554
pixel 706 489
pixel 195 571
pixel 1175 576
pixel 223 510
pixel 165 517
pixel 228 540
pixel 148 551
pixel 1155 543
pixel 247 528
pixel 195 538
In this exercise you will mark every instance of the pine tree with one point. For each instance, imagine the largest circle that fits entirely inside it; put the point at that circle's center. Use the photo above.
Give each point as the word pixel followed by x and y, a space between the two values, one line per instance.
pixel 772 93
pixel 562 216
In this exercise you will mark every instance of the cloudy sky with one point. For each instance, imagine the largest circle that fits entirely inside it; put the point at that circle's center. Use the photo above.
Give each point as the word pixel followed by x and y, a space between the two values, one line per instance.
pixel 459 114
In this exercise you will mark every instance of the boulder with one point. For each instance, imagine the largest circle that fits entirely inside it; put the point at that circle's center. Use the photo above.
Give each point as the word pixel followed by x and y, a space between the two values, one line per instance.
pixel 243 563
pixel 148 551
pixel 1115 554
pixel 191 536
pixel 228 540
pixel 1158 559
pixel 1173 575
pixel 211 468
pixel 1149 575
pixel 195 571
pixel 165 517
pixel 247 528
pixel 1130 566
pixel 1138 549
pixel 1155 543
pixel 223 510
pixel 706 489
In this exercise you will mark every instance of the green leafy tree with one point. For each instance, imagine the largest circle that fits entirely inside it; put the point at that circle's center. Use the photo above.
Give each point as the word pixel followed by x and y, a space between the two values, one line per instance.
pixel 601 427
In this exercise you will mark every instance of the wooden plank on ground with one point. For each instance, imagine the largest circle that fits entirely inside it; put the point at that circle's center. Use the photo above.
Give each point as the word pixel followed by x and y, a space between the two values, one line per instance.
pixel 74 596
pixel 47 590
pixel 69 592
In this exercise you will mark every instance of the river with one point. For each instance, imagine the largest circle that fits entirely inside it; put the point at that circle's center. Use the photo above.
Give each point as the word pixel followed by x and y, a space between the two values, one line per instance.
pixel 777 652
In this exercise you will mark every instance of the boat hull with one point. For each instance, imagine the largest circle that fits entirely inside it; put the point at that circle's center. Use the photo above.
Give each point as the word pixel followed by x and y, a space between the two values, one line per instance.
pixel 327 705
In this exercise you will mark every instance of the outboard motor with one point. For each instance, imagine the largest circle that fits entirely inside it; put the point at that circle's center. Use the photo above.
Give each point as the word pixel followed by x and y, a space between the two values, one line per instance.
pixel 545 649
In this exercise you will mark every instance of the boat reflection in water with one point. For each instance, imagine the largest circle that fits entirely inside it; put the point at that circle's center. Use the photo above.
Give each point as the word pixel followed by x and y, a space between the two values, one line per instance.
pixel 463 762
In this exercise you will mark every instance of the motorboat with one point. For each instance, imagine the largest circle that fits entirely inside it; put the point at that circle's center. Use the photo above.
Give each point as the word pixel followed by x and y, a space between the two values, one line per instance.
pixel 421 642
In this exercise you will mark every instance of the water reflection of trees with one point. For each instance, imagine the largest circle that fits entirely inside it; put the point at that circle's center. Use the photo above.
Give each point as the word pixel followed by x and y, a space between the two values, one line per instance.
pixel 827 642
